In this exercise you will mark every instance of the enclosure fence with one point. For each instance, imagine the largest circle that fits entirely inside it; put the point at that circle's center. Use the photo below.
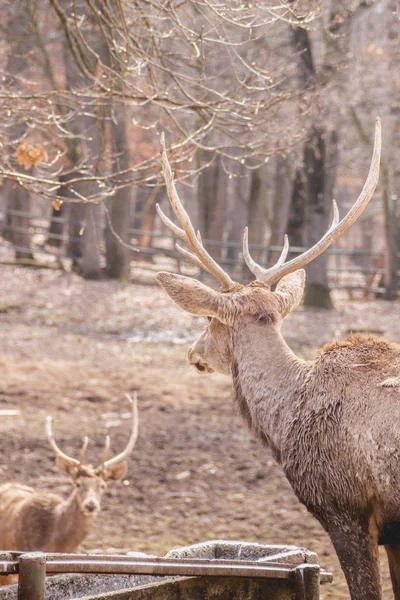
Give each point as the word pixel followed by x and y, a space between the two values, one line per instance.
pixel 358 269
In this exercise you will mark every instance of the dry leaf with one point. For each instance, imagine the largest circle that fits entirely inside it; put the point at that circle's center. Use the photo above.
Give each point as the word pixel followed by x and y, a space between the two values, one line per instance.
pixel 57 204
pixel 30 156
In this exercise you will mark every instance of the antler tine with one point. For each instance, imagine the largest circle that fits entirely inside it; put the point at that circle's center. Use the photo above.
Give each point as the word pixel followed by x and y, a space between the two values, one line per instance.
pixel 335 218
pixel 181 235
pixel 132 439
pixel 54 446
pixel 170 224
pixel 82 453
pixel 189 234
pixel 272 275
pixel 254 267
pixel 191 257
pixel 285 250
pixel 105 452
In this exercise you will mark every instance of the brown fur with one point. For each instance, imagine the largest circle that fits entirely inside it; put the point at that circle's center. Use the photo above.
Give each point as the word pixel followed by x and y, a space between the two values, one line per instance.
pixel 333 424
pixel 44 521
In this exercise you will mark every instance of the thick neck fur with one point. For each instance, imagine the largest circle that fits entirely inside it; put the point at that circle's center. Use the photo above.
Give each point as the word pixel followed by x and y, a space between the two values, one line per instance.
pixel 72 525
pixel 266 378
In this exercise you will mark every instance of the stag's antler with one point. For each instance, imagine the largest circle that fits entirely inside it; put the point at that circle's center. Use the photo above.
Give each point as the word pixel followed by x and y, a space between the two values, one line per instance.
pixel 275 273
pixel 106 464
pixel 198 254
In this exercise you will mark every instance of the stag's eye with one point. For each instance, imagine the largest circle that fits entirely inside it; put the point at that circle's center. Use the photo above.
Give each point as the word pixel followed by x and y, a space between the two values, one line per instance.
pixel 209 319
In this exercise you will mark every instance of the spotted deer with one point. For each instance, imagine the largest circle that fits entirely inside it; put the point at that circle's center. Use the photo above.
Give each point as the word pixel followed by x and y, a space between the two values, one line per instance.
pixel 31 520
pixel 333 424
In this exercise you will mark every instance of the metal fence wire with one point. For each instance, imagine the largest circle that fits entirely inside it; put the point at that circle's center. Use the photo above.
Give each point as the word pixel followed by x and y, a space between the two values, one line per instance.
pixel 358 269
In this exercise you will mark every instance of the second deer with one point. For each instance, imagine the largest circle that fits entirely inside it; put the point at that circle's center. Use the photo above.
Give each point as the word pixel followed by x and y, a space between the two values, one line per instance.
pixel 31 520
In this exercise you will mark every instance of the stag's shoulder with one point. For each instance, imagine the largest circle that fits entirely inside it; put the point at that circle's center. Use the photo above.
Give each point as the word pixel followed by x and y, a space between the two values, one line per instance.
pixel 368 352
pixel 370 344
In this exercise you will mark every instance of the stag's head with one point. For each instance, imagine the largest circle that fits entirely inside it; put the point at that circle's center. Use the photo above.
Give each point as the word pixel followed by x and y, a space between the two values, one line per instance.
pixel 236 303
pixel 91 482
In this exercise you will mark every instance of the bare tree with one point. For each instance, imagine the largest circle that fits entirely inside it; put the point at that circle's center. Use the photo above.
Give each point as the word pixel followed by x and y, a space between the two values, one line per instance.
pixel 312 180
pixel 198 71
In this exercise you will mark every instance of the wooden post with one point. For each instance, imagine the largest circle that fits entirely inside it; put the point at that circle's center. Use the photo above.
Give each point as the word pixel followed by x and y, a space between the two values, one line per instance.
pixel 307 578
pixel 32 576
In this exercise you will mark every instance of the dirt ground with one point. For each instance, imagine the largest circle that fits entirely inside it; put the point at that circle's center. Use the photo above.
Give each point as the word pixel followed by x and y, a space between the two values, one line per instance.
pixel 73 348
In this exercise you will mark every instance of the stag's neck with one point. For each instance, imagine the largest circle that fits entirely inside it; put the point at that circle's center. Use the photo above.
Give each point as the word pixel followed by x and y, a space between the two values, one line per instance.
pixel 71 526
pixel 267 378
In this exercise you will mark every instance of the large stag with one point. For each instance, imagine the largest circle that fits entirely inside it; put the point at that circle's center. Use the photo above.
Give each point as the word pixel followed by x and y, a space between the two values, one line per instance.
pixel 31 520
pixel 333 424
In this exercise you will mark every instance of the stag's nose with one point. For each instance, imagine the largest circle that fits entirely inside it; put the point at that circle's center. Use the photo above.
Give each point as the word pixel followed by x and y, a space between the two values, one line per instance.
pixel 196 362
pixel 91 505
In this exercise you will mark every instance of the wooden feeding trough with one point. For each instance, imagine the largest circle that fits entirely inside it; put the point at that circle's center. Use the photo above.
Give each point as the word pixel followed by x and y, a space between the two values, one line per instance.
pixel 208 571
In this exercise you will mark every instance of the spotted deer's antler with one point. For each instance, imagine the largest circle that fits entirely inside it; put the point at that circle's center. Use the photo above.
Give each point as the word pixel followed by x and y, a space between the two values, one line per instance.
pixel 198 253
pixel 69 459
pixel 281 268
pixel 106 464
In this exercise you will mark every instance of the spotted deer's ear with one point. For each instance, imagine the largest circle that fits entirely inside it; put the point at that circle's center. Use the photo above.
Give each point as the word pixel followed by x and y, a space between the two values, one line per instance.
pixel 290 291
pixel 66 467
pixel 116 472
pixel 191 295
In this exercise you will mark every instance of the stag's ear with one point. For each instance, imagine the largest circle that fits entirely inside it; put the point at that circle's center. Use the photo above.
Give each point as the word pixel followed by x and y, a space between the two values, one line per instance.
pixel 290 291
pixel 66 468
pixel 116 472
pixel 191 295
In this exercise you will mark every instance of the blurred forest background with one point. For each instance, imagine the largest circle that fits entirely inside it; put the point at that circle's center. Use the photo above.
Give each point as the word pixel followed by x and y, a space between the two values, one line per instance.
pixel 268 108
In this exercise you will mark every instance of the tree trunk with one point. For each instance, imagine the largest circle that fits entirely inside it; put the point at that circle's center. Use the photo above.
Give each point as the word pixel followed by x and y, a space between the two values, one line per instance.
pixel 91 259
pixel 84 228
pixel 239 192
pixel 212 199
pixel 56 227
pixel 18 223
pixel 296 227
pixel 391 275
pixel 317 291
pixel 58 217
pixel 257 220
pixel 75 216
pixel 280 207
pixel 391 278
pixel 151 197
pixel 118 255
pixel 391 177
pixel 17 198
